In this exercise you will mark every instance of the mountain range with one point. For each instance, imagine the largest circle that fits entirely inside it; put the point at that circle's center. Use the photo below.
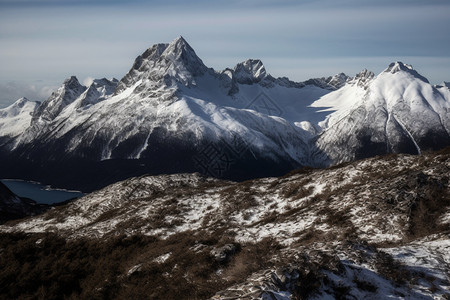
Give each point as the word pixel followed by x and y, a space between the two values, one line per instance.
pixel 170 113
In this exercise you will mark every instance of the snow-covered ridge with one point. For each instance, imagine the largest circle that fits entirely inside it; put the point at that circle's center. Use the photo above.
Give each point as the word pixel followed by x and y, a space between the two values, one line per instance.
pixel 170 100
pixel 399 66
pixel 396 111
pixel 15 118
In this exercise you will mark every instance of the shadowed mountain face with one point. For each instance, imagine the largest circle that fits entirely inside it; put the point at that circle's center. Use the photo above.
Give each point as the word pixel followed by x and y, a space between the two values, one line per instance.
pixel 170 113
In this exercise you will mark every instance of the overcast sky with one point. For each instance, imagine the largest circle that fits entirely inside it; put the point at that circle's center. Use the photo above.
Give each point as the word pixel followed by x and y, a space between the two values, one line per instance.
pixel 44 42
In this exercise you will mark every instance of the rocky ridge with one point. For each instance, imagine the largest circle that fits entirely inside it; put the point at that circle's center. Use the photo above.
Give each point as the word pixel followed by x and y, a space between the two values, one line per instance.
pixel 373 228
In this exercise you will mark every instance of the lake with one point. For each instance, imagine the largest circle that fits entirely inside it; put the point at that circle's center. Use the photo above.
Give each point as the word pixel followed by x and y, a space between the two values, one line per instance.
pixel 39 192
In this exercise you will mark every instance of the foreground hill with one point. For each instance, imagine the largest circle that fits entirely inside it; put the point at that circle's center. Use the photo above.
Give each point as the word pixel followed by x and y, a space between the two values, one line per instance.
pixel 376 228
pixel 15 207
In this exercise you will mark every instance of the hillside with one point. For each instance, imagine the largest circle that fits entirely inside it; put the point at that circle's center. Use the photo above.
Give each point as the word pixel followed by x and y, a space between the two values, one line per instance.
pixel 375 228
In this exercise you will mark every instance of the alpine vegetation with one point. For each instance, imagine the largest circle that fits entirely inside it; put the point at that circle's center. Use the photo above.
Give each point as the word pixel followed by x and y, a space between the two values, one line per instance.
pixel 377 228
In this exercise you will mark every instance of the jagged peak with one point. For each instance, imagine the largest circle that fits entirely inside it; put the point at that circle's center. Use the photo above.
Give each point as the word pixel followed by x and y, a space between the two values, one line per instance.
pixel 330 83
pixel 19 106
pixel 24 101
pixel 104 81
pixel 398 66
pixel 179 42
pixel 179 51
pixel 177 47
pixel 365 74
pixel 340 76
pixel 363 78
pixel 72 82
pixel 180 39
pixel 66 94
pixel 337 81
pixel 70 87
pixel 21 101
pixel 163 62
pixel 155 51
pixel 99 89
pixel 250 64
pixel 250 71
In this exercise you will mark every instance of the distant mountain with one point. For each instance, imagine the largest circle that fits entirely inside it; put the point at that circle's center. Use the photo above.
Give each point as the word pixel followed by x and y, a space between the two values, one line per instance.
pixel 170 113
pixel 17 117
pixel 398 111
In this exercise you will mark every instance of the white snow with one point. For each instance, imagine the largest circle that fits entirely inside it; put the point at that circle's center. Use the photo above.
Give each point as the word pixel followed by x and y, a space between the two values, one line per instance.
pixel 16 118
pixel 162 258
pixel 170 88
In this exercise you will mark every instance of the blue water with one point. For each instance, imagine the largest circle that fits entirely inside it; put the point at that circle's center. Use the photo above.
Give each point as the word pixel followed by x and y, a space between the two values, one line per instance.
pixel 38 192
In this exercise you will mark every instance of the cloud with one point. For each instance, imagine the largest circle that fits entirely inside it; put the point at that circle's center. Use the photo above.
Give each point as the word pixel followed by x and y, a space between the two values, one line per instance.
pixel 13 90
pixel 88 81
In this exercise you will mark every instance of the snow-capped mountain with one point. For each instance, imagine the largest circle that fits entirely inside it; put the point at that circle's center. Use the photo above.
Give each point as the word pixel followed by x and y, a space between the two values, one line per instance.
pixel 170 113
pixel 15 118
pixel 396 111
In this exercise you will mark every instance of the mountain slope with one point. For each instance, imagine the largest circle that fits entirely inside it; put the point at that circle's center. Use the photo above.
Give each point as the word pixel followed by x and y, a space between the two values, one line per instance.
pixel 166 114
pixel 396 111
pixel 15 118
pixel 376 228
pixel 14 207
pixel 170 113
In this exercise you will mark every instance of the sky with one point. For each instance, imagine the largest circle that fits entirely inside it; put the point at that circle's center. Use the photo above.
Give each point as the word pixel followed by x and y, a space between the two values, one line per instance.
pixel 44 42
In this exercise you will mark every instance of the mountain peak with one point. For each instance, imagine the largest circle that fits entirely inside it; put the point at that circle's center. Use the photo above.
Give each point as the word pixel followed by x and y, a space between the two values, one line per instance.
pixel 180 39
pixel 178 46
pixel 180 52
pixel 398 66
pixel 20 102
pixel 72 83
pixel 66 94
pixel 18 106
pixel 250 71
pixel 154 52
pixel 338 80
pixel 164 62
pixel 363 78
